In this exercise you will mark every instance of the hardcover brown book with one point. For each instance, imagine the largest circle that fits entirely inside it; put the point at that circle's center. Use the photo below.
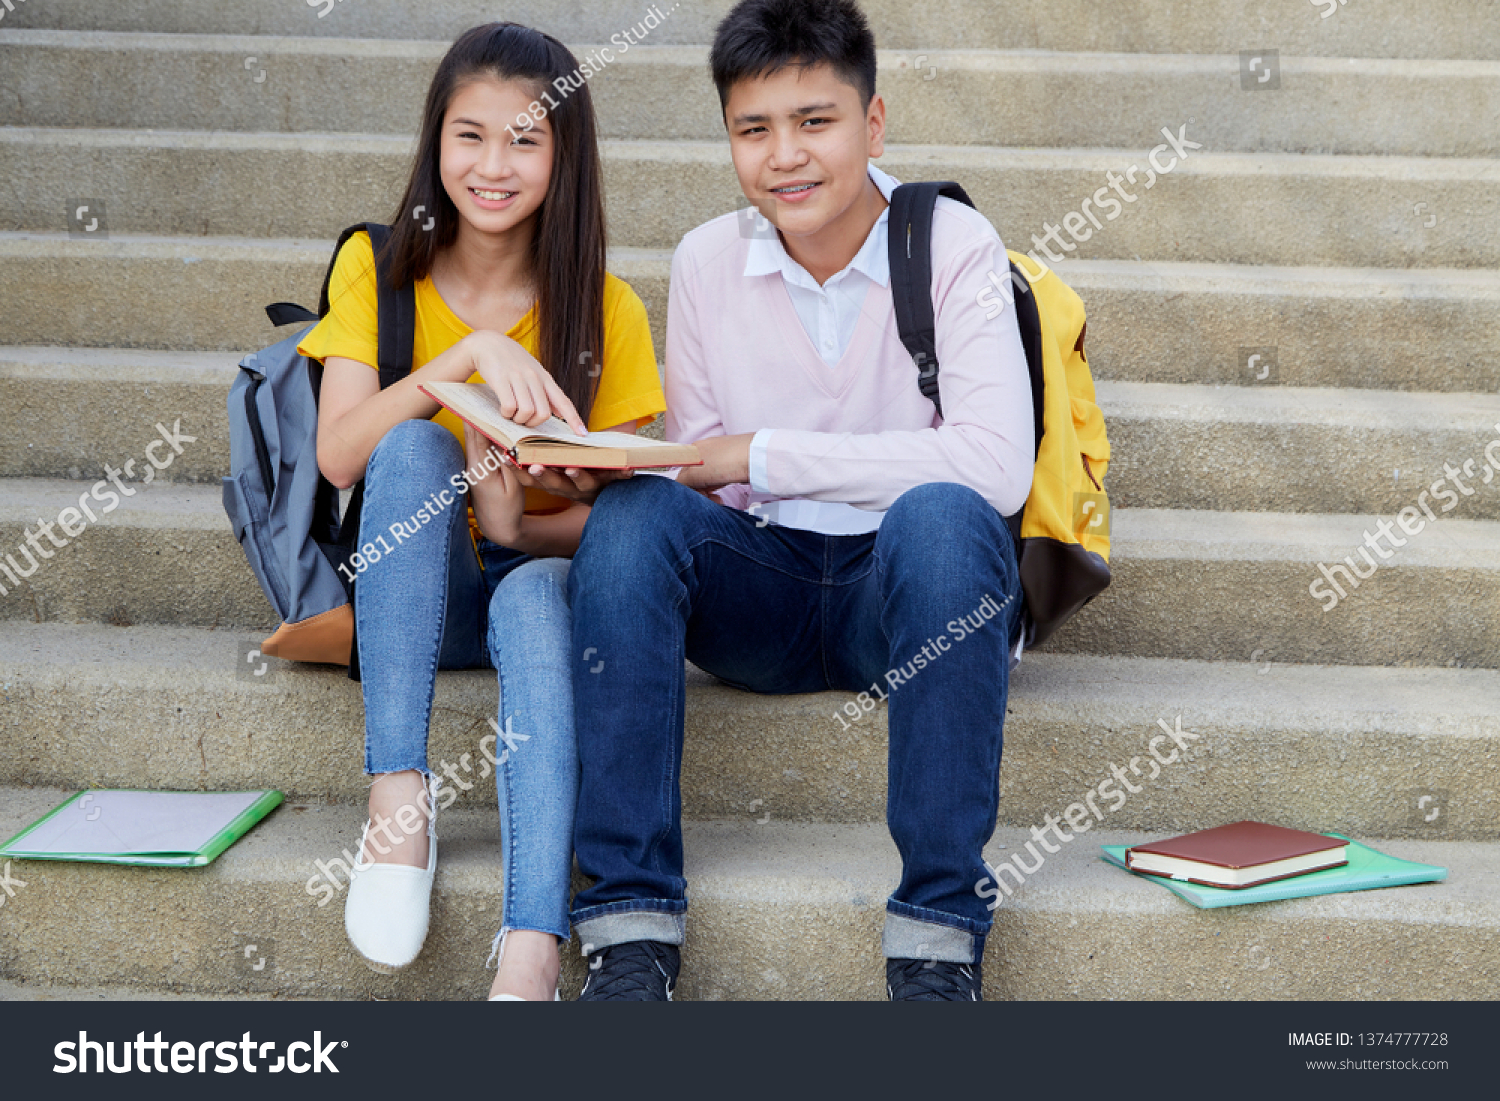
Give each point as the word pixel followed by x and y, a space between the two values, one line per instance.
pixel 1241 854
pixel 553 443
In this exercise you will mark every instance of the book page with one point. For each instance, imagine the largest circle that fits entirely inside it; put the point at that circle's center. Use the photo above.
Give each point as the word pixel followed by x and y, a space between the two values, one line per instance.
pixel 475 401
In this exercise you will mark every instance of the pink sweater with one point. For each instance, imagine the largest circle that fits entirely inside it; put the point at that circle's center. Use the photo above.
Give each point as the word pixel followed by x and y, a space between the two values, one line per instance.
pixel 738 360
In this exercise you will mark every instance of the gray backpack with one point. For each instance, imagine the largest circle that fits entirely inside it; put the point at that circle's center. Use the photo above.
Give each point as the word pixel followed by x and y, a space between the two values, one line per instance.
pixel 285 514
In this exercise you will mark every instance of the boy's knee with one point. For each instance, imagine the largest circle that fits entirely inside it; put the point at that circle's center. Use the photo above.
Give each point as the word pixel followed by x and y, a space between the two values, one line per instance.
pixel 926 510
pixel 641 491
pixel 638 527
pixel 637 507
pixel 946 534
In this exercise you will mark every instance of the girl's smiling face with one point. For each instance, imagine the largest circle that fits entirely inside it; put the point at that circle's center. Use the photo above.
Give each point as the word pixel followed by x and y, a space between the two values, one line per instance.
pixel 495 170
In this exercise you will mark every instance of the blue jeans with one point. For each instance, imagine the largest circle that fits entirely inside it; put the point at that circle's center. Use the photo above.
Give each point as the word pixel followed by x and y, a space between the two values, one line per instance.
pixel 664 574
pixel 429 603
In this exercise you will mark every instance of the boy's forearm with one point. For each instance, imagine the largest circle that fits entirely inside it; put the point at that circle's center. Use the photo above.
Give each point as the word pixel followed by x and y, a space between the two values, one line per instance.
pixel 726 462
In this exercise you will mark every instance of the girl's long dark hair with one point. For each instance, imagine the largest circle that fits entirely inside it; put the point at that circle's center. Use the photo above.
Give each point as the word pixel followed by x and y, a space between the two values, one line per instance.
pixel 568 247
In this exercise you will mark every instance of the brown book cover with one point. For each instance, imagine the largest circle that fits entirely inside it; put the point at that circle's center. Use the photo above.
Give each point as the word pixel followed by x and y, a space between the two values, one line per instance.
pixel 1243 845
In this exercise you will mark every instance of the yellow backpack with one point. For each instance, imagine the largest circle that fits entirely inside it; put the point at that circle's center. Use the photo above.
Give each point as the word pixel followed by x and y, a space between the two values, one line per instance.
pixel 1063 530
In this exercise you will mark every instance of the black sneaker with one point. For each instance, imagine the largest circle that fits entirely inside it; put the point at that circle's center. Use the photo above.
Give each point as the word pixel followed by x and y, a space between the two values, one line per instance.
pixel 636 971
pixel 932 981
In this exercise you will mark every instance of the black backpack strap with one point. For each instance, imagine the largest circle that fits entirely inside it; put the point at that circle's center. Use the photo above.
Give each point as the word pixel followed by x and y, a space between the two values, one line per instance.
pixel 324 304
pixel 289 313
pixel 397 307
pixel 1029 321
pixel 396 331
pixel 912 207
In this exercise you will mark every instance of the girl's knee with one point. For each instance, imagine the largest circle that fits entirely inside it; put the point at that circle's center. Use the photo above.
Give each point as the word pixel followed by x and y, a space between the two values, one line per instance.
pixel 417 446
pixel 535 588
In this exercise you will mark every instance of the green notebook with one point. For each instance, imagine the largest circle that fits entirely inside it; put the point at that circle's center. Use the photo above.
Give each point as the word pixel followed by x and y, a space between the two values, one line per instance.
pixel 171 829
pixel 1366 870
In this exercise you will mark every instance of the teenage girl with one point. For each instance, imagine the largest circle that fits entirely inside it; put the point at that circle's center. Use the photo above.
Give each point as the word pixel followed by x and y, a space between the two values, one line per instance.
pixel 502 233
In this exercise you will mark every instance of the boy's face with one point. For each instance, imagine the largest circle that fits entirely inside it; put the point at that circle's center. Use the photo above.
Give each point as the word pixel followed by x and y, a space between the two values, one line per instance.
pixel 801 145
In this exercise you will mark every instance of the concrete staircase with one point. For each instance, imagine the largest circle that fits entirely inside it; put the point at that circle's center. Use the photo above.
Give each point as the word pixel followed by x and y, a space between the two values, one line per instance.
pixel 1344 227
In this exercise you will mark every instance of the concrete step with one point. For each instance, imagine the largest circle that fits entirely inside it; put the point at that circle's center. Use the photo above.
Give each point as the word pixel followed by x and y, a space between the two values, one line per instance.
pixel 1214 207
pixel 1286 449
pixel 21 992
pixel 1225 448
pixel 1214 586
pixel 1160 322
pixel 71 411
pixel 1304 745
pixel 1378 28
pixel 1221 586
pixel 1078 928
pixel 197 293
pixel 956 97
pixel 164 553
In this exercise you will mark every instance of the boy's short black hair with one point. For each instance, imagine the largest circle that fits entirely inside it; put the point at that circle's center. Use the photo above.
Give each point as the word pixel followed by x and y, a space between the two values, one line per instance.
pixel 761 37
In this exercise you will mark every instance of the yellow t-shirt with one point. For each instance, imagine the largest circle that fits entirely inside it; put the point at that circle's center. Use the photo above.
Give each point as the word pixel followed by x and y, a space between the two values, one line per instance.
pixel 629 385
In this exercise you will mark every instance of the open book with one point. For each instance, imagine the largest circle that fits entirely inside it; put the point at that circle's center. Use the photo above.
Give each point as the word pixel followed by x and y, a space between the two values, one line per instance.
pixel 554 443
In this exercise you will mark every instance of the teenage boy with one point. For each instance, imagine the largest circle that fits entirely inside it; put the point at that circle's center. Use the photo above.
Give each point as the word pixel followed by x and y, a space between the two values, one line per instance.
pixel 855 524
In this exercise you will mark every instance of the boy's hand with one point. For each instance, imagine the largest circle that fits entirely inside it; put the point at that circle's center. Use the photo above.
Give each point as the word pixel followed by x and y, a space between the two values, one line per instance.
pixel 574 483
pixel 726 462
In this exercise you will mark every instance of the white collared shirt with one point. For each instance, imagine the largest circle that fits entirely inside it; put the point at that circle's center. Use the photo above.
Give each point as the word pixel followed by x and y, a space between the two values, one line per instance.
pixel 830 314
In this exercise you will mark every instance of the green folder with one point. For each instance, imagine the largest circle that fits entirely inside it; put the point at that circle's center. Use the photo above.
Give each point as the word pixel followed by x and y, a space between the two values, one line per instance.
pixel 168 829
pixel 1366 870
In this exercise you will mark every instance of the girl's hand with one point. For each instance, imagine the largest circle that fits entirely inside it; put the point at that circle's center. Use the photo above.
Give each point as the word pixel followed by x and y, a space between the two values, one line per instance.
pixel 498 498
pixel 527 393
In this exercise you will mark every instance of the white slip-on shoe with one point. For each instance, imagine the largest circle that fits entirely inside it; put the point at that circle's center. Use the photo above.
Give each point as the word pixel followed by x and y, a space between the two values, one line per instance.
pixel 387 910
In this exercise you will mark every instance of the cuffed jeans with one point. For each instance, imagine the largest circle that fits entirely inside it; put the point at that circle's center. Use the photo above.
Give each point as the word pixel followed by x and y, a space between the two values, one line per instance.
pixel 425 602
pixel 926 609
